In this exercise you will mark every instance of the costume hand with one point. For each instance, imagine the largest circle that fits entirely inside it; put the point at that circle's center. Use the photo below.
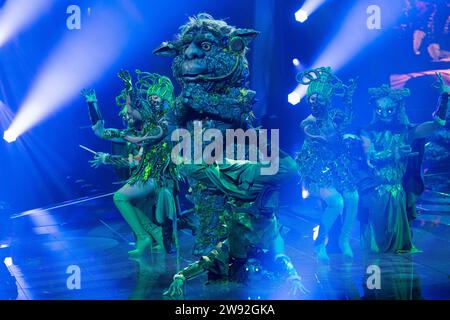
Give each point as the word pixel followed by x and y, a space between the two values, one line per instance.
pixel 176 289
pixel 89 95
pixel 403 151
pixel 296 286
pixel 99 128
pixel 350 90
pixel 99 159
pixel 443 87
pixel 126 78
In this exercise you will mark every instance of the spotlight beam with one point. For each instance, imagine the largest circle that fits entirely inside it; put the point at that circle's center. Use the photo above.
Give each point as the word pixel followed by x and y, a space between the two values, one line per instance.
pixel 78 61
pixel 352 37
pixel 17 15
pixel 307 9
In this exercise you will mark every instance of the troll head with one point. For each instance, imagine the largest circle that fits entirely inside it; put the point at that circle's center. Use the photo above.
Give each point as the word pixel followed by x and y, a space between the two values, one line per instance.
pixel 209 52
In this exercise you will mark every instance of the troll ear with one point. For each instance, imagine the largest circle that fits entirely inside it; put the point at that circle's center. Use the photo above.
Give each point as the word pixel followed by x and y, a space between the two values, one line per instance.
pixel 246 34
pixel 166 49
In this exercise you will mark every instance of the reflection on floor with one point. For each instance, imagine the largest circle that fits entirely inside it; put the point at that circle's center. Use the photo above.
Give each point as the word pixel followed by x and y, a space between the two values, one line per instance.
pixel 38 262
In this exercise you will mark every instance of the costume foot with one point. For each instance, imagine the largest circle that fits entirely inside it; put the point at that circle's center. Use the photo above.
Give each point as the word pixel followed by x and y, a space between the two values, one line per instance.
pixel 346 249
pixel 321 253
pixel 156 233
pixel 414 249
pixel 141 245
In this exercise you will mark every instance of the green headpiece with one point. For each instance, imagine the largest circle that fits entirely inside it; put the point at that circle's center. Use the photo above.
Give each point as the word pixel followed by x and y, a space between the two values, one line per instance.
pixel 321 81
pixel 397 95
pixel 147 85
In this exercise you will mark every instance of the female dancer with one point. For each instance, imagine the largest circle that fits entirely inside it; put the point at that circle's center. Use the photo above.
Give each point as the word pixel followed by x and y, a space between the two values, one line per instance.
pixel 325 162
pixel 147 102
pixel 387 142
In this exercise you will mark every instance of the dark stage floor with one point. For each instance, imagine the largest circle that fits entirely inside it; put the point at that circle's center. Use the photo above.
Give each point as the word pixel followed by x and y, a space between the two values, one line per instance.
pixel 92 236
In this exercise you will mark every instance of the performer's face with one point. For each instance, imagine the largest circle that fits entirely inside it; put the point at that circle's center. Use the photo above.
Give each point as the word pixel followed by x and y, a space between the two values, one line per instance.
pixel 133 116
pixel 385 109
pixel 318 103
pixel 155 100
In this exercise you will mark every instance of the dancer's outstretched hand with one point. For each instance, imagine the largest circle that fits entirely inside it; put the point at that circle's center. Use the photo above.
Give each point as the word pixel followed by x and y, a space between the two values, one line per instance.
pixel 443 87
pixel 176 290
pixel 296 286
pixel 404 150
pixel 89 95
pixel 99 159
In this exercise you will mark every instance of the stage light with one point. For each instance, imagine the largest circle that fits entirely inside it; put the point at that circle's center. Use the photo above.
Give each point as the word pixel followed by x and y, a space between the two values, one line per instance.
pixel 78 61
pixel 301 15
pixel 351 38
pixel 16 15
pixel 297 95
pixel 305 193
pixel 308 8
pixel 9 136
pixel 316 232
pixel 8 261
pixel 295 62
pixel 294 98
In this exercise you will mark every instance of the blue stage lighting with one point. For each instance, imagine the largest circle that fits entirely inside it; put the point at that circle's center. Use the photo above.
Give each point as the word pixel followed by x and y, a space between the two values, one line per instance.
pixel 294 98
pixel 301 15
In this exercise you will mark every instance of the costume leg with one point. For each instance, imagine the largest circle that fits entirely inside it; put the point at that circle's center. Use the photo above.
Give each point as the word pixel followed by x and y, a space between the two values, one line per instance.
pixel 335 205
pixel 135 218
pixel 166 213
pixel 350 211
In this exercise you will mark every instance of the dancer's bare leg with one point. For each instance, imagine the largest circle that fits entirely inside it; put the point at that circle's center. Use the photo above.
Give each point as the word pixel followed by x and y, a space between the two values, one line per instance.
pixel 350 211
pixel 335 205
pixel 135 218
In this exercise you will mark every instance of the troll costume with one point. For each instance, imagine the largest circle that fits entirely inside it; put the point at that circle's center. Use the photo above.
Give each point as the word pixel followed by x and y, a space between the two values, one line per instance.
pixel 389 143
pixel 326 160
pixel 211 67
pixel 234 202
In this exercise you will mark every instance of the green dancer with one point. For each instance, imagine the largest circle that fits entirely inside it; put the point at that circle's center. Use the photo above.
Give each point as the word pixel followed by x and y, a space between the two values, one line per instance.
pixel 154 175
pixel 325 161
pixel 388 143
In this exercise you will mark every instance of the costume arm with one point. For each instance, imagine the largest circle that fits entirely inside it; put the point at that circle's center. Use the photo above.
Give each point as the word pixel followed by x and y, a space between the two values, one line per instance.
pixel 91 99
pixel 307 125
pixel 234 105
pixel 348 104
pixel 429 128
pixel 373 156
pixel 118 162
pixel 152 136
pixel 284 264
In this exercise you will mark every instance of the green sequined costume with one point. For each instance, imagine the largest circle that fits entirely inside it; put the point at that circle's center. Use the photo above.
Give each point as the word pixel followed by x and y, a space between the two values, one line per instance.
pixel 325 164
pixel 388 227
pixel 326 157
pixel 155 162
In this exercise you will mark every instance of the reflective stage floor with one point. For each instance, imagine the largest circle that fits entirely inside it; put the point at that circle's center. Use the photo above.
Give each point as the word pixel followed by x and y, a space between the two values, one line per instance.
pixel 91 236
